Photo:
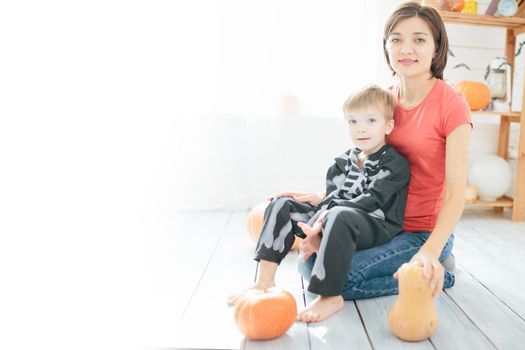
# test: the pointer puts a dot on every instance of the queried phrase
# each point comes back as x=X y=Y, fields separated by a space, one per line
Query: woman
x=432 y=130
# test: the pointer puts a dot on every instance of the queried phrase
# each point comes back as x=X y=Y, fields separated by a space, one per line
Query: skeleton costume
x=365 y=209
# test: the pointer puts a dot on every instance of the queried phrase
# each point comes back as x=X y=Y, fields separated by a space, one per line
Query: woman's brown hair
x=431 y=17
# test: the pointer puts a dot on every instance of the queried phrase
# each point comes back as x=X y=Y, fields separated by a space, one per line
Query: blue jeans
x=371 y=272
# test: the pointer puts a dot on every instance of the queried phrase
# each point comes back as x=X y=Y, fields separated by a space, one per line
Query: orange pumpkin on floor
x=265 y=314
x=413 y=317
x=255 y=224
x=476 y=93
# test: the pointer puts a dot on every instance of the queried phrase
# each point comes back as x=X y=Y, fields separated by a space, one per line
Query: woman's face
x=411 y=48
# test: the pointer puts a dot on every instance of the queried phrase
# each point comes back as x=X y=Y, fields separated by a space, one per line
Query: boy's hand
x=312 y=198
x=312 y=242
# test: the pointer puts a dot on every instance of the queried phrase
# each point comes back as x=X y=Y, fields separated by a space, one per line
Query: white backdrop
x=274 y=120
x=114 y=112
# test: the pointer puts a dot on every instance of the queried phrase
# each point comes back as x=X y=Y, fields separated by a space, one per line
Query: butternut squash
x=413 y=317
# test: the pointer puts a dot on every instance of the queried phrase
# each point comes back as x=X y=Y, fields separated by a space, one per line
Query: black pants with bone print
x=345 y=230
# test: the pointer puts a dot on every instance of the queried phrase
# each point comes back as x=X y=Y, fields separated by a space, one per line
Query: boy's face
x=368 y=128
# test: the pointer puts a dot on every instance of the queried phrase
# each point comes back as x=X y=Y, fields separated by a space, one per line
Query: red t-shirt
x=420 y=135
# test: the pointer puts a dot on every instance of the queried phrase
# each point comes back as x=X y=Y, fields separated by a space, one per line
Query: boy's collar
x=374 y=156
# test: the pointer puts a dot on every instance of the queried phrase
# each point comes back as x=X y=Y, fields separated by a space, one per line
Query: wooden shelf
x=503 y=202
x=514 y=26
x=483 y=20
x=513 y=116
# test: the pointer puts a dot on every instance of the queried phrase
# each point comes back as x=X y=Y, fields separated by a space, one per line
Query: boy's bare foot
x=321 y=308
x=259 y=286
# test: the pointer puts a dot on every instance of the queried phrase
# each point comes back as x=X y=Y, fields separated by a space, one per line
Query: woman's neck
x=413 y=91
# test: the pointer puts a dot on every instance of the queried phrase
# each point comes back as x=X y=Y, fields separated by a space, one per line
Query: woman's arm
x=456 y=167
x=309 y=197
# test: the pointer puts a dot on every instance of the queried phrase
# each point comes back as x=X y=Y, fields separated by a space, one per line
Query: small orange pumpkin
x=476 y=93
x=455 y=5
x=265 y=314
x=413 y=317
x=256 y=220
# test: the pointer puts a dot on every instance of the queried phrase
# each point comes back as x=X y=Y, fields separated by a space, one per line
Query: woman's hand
x=312 y=242
x=433 y=271
x=309 y=197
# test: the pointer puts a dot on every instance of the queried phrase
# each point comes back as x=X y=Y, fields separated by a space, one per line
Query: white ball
x=492 y=175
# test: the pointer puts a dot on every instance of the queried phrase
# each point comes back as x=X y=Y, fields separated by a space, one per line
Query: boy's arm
x=336 y=174
x=312 y=198
x=393 y=177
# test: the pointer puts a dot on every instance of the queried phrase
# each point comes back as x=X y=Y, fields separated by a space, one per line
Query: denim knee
x=450 y=279
x=447 y=249
x=305 y=267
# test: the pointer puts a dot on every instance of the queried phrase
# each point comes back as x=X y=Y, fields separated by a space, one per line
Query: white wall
x=274 y=122
x=245 y=159
x=112 y=111
x=256 y=154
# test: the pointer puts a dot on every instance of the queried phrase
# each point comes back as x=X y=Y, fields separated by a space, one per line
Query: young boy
x=362 y=207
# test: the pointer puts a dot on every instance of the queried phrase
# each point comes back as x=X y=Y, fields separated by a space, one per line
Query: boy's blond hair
x=371 y=96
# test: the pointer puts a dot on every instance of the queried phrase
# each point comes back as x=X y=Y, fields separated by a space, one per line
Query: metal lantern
x=498 y=79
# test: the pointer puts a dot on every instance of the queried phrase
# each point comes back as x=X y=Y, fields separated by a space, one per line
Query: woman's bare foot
x=257 y=286
x=321 y=308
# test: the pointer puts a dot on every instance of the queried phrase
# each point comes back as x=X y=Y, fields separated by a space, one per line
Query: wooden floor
x=197 y=259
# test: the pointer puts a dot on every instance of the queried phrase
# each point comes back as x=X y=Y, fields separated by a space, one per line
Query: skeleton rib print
x=356 y=181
